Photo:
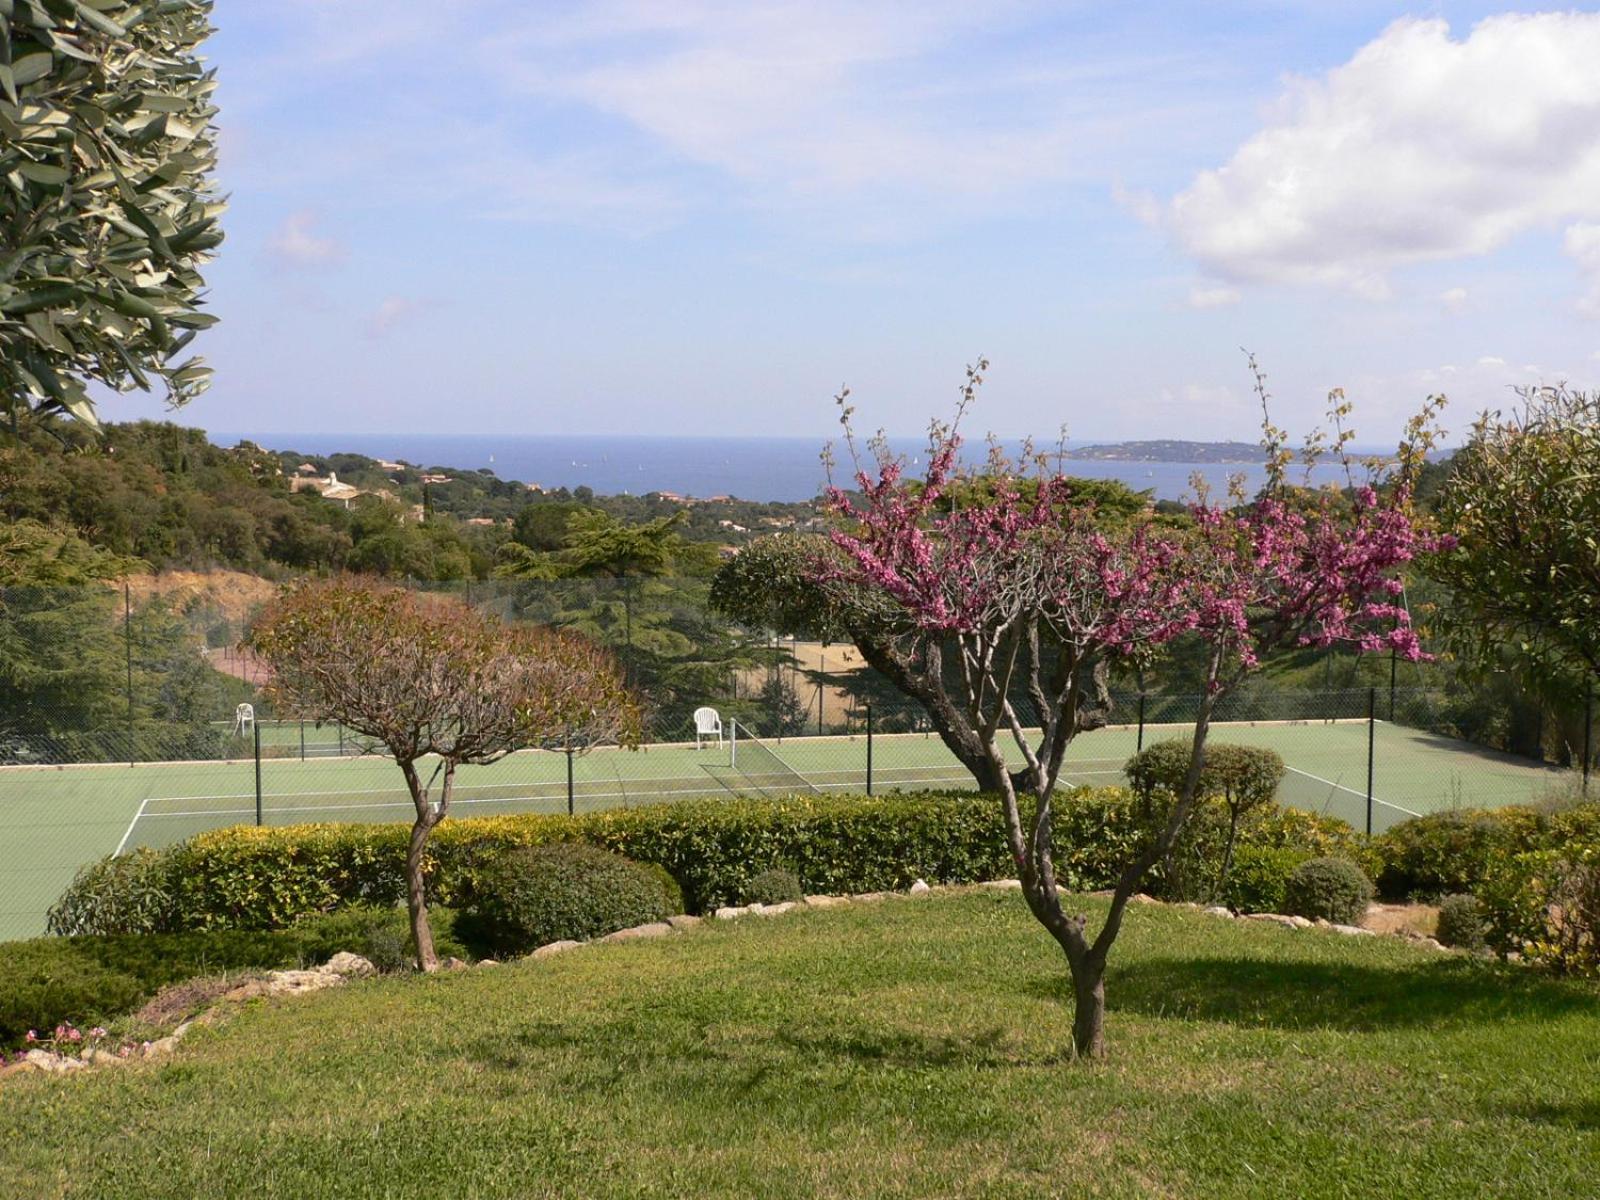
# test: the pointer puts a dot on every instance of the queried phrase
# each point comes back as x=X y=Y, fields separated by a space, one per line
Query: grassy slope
x=911 y=1048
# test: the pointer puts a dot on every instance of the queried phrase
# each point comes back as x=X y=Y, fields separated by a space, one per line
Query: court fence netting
x=67 y=801
x=120 y=728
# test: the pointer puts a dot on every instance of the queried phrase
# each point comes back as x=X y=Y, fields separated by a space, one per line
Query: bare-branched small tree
x=440 y=685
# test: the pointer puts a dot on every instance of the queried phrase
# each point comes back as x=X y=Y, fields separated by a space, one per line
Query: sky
x=525 y=217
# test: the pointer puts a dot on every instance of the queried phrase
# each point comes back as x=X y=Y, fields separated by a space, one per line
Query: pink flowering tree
x=1033 y=595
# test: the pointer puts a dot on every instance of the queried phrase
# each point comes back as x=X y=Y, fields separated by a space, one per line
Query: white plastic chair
x=244 y=720
x=707 y=723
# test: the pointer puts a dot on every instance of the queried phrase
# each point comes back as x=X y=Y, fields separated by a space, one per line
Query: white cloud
x=1212 y=297
x=1582 y=244
x=391 y=312
x=1422 y=147
x=297 y=244
x=1454 y=299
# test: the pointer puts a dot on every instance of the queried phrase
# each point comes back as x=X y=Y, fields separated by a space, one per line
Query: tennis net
x=754 y=766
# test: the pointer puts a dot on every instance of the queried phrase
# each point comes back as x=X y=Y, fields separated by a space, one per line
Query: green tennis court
x=54 y=819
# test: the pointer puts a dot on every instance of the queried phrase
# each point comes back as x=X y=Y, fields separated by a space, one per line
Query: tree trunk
x=416 y=895
x=416 y=899
x=1089 y=1016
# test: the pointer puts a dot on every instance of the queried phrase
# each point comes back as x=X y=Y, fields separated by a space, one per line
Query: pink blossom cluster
x=1286 y=569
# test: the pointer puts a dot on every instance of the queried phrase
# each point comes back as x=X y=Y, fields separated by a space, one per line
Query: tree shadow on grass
x=988 y=1049
x=1304 y=995
x=1581 y=1114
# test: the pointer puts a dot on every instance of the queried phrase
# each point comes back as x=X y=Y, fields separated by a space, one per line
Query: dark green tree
x=107 y=210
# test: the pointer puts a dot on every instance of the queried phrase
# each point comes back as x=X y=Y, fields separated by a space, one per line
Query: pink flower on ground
x=74 y=1035
x=33 y=1035
x=97 y=1032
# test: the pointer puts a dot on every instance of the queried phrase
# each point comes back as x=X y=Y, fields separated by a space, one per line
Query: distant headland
x=1167 y=450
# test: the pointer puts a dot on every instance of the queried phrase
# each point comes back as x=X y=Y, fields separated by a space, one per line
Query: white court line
x=1361 y=796
x=131 y=824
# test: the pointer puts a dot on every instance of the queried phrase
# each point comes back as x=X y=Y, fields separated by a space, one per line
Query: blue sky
x=687 y=216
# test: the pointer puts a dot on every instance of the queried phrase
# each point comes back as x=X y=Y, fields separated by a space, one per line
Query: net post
x=733 y=742
x=1372 y=729
x=255 y=727
x=571 y=808
x=1140 y=745
x=869 y=749
x=1393 y=669
x=302 y=739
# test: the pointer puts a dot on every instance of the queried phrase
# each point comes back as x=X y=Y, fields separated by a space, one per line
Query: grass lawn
x=907 y=1048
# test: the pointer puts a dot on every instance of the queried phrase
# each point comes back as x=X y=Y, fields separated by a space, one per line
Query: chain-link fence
x=121 y=726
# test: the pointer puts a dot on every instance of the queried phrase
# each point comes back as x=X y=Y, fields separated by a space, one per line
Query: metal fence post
x=302 y=740
x=571 y=806
x=869 y=749
x=256 y=728
x=1372 y=729
x=1139 y=747
x=1588 y=734
x=1393 y=667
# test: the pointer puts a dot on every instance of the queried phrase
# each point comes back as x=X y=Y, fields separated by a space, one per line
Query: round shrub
x=671 y=891
x=1461 y=922
x=775 y=885
x=1330 y=889
x=532 y=895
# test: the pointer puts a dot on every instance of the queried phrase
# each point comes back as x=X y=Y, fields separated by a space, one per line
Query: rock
x=683 y=921
x=96 y=1057
x=1141 y=898
x=1002 y=885
x=453 y=964
x=1299 y=922
x=869 y=897
x=21 y=1067
x=488 y=962
x=351 y=966
x=285 y=983
x=772 y=910
x=1352 y=931
x=549 y=948
x=1274 y=918
x=919 y=887
x=653 y=929
x=826 y=901
x=1216 y=910
x=728 y=912
x=160 y=1046
x=1433 y=944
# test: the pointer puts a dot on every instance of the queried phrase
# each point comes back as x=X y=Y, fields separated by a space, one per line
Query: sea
x=749 y=468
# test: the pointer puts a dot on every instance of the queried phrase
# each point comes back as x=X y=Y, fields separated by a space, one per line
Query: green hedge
x=1454 y=852
x=266 y=878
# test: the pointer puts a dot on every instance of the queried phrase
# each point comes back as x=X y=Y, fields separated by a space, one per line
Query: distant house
x=390 y=467
x=437 y=479
x=482 y=521
x=339 y=493
x=732 y=526
x=535 y=487
x=305 y=469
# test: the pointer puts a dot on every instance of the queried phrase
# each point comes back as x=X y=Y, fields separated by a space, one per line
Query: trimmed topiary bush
x=775 y=885
x=1328 y=889
x=1236 y=783
x=532 y=895
x=1461 y=922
